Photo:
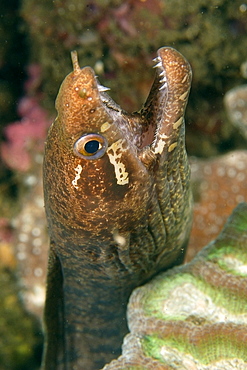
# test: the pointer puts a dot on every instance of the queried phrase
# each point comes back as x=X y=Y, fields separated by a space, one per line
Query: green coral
x=154 y=300
x=209 y=350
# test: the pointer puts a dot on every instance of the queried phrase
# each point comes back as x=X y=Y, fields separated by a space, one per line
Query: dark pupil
x=91 y=146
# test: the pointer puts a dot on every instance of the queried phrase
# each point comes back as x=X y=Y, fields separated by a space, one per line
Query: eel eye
x=90 y=146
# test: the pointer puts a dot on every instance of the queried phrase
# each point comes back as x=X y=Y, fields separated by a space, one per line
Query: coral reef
x=193 y=316
x=117 y=37
x=22 y=151
x=236 y=106
x=23 y=233
x=31 y=242
x=219 y=184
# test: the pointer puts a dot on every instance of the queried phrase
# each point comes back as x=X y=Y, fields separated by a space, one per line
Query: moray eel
x=118 y=204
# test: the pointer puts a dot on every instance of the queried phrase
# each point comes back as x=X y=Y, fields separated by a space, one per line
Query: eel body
x=118 y=206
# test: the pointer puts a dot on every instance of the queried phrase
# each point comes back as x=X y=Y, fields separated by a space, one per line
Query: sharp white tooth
x=157 y=59
x=103 y=88
x=162 y=73
x=159 y=64
x=163 y=80
x=164 y=86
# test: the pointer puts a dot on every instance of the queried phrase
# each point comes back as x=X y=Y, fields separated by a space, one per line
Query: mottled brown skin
x=112 y=229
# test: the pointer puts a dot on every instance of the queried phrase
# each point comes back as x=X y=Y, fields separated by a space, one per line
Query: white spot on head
x=120 y=239
x=78 y=171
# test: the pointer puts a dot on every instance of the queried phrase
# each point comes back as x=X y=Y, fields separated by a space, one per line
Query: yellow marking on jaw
x=105 y=127
x=178 y=123
x=184 y=79
x=78 y=171
x=172 y=147
x=121 y=174
x=184 y=95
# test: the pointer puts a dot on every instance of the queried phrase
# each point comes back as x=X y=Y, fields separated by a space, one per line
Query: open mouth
x=154 y=130
x=143 y=126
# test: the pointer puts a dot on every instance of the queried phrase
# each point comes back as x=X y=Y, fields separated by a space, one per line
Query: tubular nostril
x=75 y=62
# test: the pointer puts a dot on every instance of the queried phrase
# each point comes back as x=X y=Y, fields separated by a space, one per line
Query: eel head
x=106 y=170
